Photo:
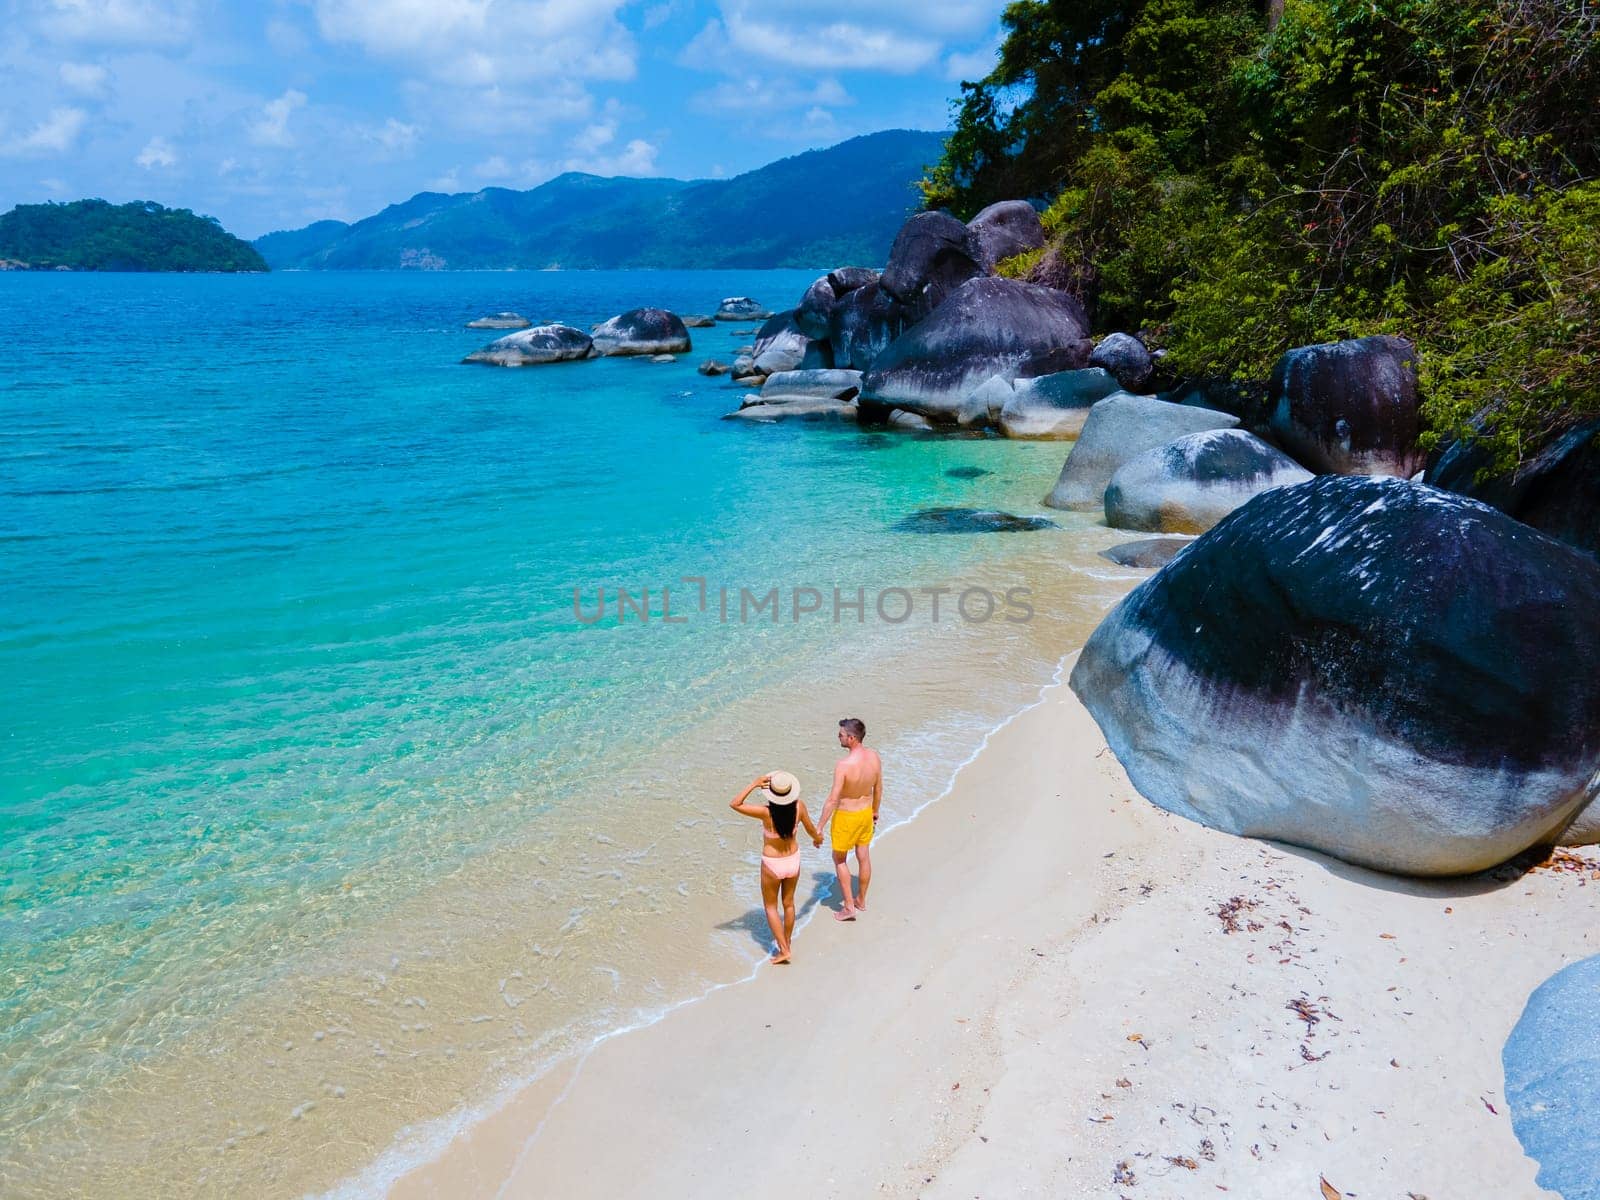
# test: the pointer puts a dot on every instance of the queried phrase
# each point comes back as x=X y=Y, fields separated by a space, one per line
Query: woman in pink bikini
x=780 y=849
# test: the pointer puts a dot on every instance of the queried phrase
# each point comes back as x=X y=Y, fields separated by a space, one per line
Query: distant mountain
x=92 y=235
x=839 y=205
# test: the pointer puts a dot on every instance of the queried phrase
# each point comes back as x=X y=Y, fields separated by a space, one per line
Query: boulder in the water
x=1552 y=1070
x=532 y=347
x=1126 y=358
x=1003 y=230
x=820 y=384
x=1055 y=406
x=815 y=311
x=899 y=418
x=712 y=367
x=649 y=331
x=1146 y=553
x=1373 y=668
x=781 y=345
x=1556 y=490
x=987 y=327
x=863 y=324
x=1118 y=428
x=697 y=321
x=741 y=308
x=762 y=408
x=1188 y=485
x=969 y=520
x=505 y=320
x=1349 y=407
x=967 y=473
x=932 y=256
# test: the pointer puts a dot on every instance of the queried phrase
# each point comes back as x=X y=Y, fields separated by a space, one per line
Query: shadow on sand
x=823 y=893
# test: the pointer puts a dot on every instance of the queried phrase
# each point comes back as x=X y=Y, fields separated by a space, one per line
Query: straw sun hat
x=783 y=788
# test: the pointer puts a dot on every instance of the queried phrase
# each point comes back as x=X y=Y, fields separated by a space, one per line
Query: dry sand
x=1055 y=993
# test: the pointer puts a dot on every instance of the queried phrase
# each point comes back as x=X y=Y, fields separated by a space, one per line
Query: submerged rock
x=1126 y=358
x=1368 y=667
x=1350 y=407
x=987 y=327
x=741 y=308
x=697 y=321
x=1053 y=406
x=1557 y=490
x=642 y=331
x=532 y=347
x=863 y=324
x=1004 y=229
x=1552 y=1069
x=505 y=320
x=969 y=520
x=932 y=256
x=967 y=473
x=1117 y=429
x=1146 y=553
x=1188 y=485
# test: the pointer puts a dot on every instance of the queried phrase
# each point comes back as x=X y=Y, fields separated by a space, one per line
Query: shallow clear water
x=296 y=691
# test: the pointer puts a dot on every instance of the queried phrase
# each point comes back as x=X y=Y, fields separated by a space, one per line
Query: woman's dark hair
x=783 y=816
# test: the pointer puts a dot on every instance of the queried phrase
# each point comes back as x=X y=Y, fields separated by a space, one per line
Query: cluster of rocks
x=649 y=332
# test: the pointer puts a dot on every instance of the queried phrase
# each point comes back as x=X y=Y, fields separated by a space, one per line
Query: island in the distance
x=93 y=235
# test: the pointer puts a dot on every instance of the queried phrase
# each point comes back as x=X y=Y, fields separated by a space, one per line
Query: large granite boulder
x=531 y=347
x=1119 y=428
x=741 y=308
x=815 y=311
x=987 y=327
x=641 y=331
x=1049 y=407
x=983 y=405
x=1146 y=553
x=503 y=320
x=863 y=324
x=1126 y=358
x=1188 y=485
x=1004 y=229
x=697 y=321
x=1372 y=668
x=781 y=345
x=816 y=384
x=932 y=256
x=1349 y=407
x=1557 y=490
x=763 y=410
x=1552 y=1069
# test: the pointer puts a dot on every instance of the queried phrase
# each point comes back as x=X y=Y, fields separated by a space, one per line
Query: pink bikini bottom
x=786 y=867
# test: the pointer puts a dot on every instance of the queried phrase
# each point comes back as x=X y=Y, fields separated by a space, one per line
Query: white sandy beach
x=1046 y=1000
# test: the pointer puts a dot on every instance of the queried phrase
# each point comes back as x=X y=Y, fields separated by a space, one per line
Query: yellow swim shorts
x=852 y=829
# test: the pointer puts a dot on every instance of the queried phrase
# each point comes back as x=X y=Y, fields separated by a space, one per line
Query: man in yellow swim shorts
x=852 y=806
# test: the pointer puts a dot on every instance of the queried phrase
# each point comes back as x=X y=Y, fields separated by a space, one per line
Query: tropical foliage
x=92 y=235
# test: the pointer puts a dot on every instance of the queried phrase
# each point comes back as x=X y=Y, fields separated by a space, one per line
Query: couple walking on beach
x=852 y=811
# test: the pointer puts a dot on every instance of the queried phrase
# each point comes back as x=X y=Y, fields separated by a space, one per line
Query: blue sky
x=278 y=113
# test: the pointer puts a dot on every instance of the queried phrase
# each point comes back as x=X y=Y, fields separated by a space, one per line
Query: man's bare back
x=852 y=810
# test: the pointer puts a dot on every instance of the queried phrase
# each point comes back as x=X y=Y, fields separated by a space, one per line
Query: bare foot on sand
x=861 y=905
x=780 y=958
x=845 y=914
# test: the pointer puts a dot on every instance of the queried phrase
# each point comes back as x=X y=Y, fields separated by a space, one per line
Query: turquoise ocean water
x=288 y=639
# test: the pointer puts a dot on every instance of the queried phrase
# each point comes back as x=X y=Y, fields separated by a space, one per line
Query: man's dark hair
x=855 y=728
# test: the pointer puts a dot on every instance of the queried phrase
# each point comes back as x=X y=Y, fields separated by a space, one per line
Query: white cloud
x=970 y=66
x=493 y=167
x=272 y=127
x=898 y=36
x=87 y=79
x=764 y=94
x=157 y=152
x=450 y=181
x=228 y=166
x=54 y=135
x=117 y=22
x=395 y=136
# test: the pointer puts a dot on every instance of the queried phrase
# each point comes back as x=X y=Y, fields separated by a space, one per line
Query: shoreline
x=1133 y=999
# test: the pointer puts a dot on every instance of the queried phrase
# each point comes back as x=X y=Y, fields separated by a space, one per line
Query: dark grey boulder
x=697 y=321
x=967 y=473
x=1126 y=358
x=987 y=327
x=816 y=384
x=1552 y=1071
x=741 y=308
x=932 y=256
x=1557 y=490
x=505 y=320
x=1004 y=229
x=781 y=345
x=642 y=331
x=712 y=367
x=1146 y=553
x=532 y=347
x=1349 y=407
x=1188 y=485
x=815 y=311
x=863 y=324
x=1051 y=407
x=899 y=418
x=764 y=410
x=969 y=520
x=1369 y=667
x=1118 y=428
